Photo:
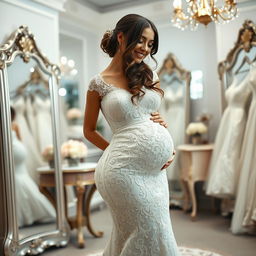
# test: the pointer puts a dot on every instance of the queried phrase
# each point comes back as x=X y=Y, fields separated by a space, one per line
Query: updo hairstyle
x=137 y=74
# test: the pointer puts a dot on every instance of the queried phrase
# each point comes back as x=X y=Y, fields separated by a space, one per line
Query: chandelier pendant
x=202 y=12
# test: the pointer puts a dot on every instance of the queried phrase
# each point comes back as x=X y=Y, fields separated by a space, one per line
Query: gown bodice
x=118 y=108
x=237 y=94
x=19 y=151
x=174 y=98
x=42 y=106
x=19 y=106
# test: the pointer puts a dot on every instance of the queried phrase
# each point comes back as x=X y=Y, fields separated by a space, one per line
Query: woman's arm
x=90 y=120
x=15 y=127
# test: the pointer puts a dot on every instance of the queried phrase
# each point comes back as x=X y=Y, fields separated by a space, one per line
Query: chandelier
x=202 y=11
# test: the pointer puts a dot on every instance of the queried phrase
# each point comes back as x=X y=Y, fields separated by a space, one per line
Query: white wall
x=42 y=22
x=202 y=49
x=226 y=35
x=195 y=51
x=90 y=44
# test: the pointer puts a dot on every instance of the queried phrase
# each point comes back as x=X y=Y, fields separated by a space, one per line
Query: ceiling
x=104 y=6
x=111 y=5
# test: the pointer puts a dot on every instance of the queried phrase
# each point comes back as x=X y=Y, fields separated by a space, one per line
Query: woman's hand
x=169 y=161
x=158 y=119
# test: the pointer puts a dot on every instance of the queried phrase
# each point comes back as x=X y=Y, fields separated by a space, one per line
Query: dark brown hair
x=137 y=74
x=13 y=114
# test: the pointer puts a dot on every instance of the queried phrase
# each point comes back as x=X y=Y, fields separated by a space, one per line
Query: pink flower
x=48 y=153
x=74 y=149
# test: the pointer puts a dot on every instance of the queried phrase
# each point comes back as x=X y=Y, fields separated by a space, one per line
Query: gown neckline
x=112 y=85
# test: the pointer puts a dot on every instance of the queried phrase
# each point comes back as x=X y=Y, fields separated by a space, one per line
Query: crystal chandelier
x=202 y=11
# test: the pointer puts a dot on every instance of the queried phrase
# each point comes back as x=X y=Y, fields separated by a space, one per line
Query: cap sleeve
x=97 y=85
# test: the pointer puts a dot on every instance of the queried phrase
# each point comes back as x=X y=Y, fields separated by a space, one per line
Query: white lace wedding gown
x=42 y=110
x=244 y=215
x=32 y=205
x=224 y=172
x=34 y=160
x=128 y=174
x=30 y=114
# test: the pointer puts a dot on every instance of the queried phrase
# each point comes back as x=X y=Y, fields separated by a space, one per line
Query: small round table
x=82 y=178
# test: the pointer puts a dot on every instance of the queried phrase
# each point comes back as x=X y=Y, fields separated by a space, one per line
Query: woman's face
x=144 y=46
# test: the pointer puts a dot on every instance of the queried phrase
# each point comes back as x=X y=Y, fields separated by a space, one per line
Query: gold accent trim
x=22 y=42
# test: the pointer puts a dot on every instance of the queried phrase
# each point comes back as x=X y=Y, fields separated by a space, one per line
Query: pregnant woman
x=131 y=175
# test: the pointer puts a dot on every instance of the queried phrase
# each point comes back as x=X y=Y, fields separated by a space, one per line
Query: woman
x=128 y=175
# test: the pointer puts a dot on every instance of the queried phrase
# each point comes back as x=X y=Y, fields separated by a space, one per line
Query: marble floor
x=209 y=232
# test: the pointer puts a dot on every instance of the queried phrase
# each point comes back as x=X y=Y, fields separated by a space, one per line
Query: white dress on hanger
x=32 y=205
x=30 y=114
x=34 y=159
x=128 y=174
x=42 y=110
x=223 y=171
x=245 y=207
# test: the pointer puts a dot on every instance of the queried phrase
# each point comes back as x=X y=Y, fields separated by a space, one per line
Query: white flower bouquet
x=196 y=129
x=74 y=114
x=48 y=153
x=74 y=149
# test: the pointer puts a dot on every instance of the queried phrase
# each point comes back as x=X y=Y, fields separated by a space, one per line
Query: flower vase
x=73 y=161
x=51 y=163
x=196 y=139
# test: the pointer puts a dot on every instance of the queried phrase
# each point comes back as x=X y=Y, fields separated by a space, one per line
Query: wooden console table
x=195 y=161
x=80 y=177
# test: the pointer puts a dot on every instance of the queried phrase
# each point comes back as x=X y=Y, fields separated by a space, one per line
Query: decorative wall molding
x=54 y=4
x=34 y=9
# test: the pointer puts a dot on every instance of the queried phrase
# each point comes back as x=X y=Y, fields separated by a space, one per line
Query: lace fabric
x=128 y=174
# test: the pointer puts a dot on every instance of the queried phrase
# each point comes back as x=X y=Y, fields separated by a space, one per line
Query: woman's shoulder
x=96 y=84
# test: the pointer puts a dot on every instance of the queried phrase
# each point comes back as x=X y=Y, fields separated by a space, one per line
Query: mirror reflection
x=196 y=86
x=174 y=81
x=241 y=67
x=32 y=145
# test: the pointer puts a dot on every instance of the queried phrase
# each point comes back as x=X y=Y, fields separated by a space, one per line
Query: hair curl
x=137 y=74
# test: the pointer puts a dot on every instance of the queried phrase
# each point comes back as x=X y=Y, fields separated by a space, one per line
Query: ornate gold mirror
x=239 y=60
x=175 y=108
x=30 y=130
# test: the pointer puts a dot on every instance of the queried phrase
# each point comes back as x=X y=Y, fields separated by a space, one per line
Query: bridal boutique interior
x=49 y=51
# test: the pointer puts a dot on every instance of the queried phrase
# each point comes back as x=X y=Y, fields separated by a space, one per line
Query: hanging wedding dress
x=223 y=170
x=30 y=114
x=245 y=207
x=34 y=160
x=32 y=205
x=128 y=174
x=43 y=121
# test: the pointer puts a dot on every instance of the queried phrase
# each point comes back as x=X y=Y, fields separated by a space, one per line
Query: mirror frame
x=22 y=43
x=186 y=76
x=245 y=41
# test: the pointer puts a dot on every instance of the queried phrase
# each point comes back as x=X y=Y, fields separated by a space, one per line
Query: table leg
x=48 y=194
x=80 y=189
x=87 y=213
x=186 y=195
x=66 y=202
x=191 y=185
